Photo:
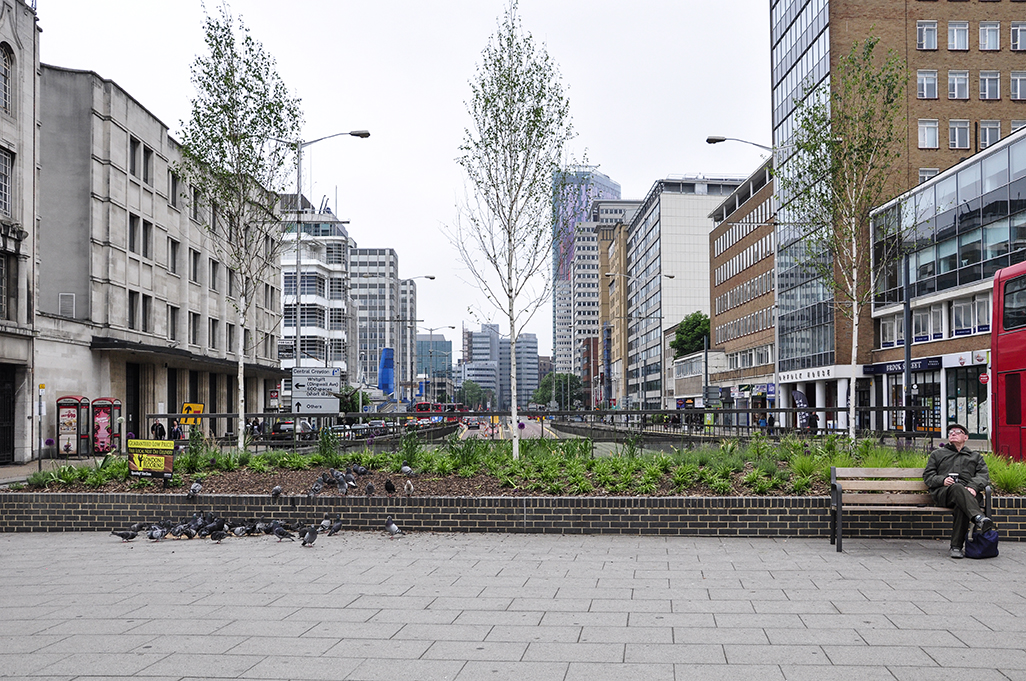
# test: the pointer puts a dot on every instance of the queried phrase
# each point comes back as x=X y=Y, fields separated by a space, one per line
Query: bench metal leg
x=840 y=525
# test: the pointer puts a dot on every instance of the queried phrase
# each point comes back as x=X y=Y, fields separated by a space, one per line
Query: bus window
x=1014 y=304
x=1013 y=399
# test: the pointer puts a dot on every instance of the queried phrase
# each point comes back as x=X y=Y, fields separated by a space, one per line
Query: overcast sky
x=648 y=81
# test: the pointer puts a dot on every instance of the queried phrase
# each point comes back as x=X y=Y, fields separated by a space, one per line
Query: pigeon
x=408 y=487
x=137 y=527
x=218 y=535
x=316 y=488
x=360 y=470
x=156 y=533
x=237 y=531
x=350 y=479
x=281 y=533
x=125 y=536
x=177 y=531
x=336 y=526
x=370 y=489
x=276 y=491
x=392 y=528
x=188 y=532
x=325 y=524
x=389 y=487
x=194 y=490
x=406 y=470
x=310 y=536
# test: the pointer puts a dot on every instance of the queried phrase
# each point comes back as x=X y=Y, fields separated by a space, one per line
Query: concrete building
x=969 y=85
x=527 y=370
x=375 y=288
x=20 y=370
x=971 y=221
x=481 y=361
x=743 y=284
x=326 y=316
x=584 y=186
x=666 y=277
x=613 y=218
x=132 y=300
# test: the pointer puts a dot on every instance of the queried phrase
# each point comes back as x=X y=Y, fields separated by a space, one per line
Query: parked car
x=342 y=431
x=282 y=430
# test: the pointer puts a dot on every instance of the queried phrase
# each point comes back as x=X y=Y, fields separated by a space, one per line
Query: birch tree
x=235 y=161
x=841 y=163
x=512 y=154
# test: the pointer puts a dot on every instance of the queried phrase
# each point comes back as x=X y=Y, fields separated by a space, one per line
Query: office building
x=375 y=288
x=434 y=367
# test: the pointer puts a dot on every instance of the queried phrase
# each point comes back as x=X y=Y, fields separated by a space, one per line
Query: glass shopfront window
x=967 y=399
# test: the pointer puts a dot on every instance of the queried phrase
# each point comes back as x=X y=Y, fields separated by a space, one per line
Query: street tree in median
x=563 y=389
x=841 y=163
x=235 y=166
x=512 y=155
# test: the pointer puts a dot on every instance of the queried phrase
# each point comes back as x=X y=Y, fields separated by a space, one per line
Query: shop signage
x=921 y=364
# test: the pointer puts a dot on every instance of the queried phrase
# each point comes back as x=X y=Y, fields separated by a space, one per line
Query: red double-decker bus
x=1008 y=361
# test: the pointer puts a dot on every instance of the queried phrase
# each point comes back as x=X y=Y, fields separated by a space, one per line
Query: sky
x=647 y=80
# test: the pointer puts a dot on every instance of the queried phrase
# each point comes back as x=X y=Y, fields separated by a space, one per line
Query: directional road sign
x=313 y=390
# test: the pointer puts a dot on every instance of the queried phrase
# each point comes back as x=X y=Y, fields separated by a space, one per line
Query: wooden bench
x=881 y=489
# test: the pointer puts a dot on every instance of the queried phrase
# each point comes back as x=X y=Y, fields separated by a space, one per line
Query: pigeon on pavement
x=218 y=535
x=392 y=528
x=390 y=487
x=137 y=527
x=336 y=526
x=276 y=491
x=194 y=490
x=408 y=487
x=238 y=531
x=125 y=536
x=325 y=524
x=309 y=536
x=156 y=533
x=281 y=533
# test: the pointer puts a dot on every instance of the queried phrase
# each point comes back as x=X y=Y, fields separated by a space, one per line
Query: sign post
x=314 y=390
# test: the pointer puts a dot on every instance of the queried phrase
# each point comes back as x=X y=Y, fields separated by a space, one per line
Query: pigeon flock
x=207 y=524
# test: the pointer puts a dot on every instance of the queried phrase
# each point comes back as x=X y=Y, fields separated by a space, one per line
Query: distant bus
x=423 y=407
x=1008 y=361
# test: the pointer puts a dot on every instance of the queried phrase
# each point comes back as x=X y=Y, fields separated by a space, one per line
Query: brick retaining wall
x=675 y=516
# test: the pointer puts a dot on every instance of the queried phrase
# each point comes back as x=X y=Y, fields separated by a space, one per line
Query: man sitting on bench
x=957 y=476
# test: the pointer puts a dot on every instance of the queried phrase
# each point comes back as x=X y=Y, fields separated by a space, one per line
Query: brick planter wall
x=674 y=516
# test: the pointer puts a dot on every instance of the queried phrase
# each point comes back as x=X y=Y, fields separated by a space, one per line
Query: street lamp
x=716 y=139
x=300 y=145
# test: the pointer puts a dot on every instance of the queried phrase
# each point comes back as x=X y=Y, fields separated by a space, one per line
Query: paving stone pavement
x=362 y=607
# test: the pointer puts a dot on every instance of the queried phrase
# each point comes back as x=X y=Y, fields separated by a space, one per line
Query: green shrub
x=805 y=466
x=684 y=476
x=327 y=442
x=801 y=484
x=1008 y=477
x=720 y=485
x=878 y=457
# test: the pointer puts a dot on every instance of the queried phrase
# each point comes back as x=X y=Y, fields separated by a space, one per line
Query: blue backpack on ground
x=981 y=544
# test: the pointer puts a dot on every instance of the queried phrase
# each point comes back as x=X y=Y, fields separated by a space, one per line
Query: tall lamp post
x=631 y=278
x=300 y=145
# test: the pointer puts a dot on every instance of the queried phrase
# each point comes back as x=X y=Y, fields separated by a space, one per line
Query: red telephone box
x=73 y=425
x=106 y=425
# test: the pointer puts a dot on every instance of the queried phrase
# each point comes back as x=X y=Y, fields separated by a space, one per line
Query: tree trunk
x=856 y=313
x=241 y=380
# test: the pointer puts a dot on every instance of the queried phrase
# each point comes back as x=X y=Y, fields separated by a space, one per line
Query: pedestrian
x=157 y=431
x=176 y=430
x=813 y=423
x=771 y=421
x=957 y=476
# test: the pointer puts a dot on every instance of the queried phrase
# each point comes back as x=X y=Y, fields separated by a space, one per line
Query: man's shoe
x=957 y=552
x=984 y=524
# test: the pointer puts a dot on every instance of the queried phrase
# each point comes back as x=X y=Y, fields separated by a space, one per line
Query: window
x=927 y=84
x=927 y=173
x=147 y=239
x=134 y=150
x=6 y=81
x=1019 y=35
x=172 y=188
x=133 y=309
x=133 y=233
x=194 y=265
x=1017 y=85
x=147 y=310
x=196 y=203
x=958 y=85
x=212 y=333
x=958 y=134
x=928 y=133
x=172 y=256
x=231 y=284
x=990 y=85
x=194 y=328
x=335 y=288
x=230 y=345
x=926 y=35
x=147 y=165
x=3 y=293
x=172 y=322
x=962 y=317
x=1014 y=313
x=1018 y=125
x=990 y=133
x=958 y=35
x=990 y=35
x=215 y=271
